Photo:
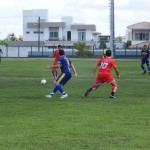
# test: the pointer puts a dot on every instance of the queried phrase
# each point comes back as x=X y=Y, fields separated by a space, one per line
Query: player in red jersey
x=104 y=76
x=56 y=58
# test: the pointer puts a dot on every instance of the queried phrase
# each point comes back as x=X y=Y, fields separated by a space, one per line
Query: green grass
x=29 y=121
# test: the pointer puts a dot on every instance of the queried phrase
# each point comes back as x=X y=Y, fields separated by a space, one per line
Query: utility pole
x=112 y=28
x=39 y=34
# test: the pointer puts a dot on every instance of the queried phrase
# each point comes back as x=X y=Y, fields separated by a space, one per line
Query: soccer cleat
x=111 y=96
x=144 y=72
x=63 y=96
x=49 y=96
x=87 y=92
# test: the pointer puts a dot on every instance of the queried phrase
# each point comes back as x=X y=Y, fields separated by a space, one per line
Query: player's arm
x=115 y=68
x=74 y=70
x=94 y=70
x=53 y=67
x=117 y=72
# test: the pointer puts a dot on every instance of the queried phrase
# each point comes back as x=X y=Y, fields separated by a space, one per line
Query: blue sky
x=96 y=12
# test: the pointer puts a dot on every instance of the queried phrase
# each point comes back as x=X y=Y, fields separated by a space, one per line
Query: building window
x=27 y=32
x=68 y=35
x=137 y=36
x=145 y=36
x=81 y=36
x=53 y=35
x=142 y=36
x=36 y=32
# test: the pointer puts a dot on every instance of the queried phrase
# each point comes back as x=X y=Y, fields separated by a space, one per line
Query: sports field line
x=79 y=78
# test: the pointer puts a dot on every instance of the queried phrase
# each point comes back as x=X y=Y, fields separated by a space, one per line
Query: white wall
x=129 y=35
x=32 y=16
x=60 y=34
x=74 y=35
x=46 y=34
x=68 y=21
x=89 y=36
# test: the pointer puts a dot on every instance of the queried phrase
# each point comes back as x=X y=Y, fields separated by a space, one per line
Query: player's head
x=59 y=47
x=61 y=52
x=145 y=47
x=108 y=53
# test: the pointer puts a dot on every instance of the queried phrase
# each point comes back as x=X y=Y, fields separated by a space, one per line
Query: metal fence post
x=136 y=50
x=18 y=51
x=31 y=50
x=93 y=50
x=42 y=50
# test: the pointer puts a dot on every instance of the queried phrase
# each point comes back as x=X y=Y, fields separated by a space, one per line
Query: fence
x=26 y=52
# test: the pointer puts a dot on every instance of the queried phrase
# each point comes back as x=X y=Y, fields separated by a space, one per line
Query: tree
x=127 y=44
x=82 y=49
x=12 y=37
x=103 y=42
x=4 y=42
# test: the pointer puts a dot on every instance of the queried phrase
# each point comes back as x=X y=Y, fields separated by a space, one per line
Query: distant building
x=37 y=21
x=139 y=34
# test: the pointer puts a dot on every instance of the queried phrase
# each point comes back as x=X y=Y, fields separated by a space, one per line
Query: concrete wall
x=32 y=16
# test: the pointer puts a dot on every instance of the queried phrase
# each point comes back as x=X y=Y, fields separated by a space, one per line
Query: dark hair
x=61 y=52
x=59 y=46
x=108 y=53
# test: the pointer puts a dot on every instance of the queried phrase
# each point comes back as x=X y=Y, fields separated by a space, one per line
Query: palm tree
x=81 y=47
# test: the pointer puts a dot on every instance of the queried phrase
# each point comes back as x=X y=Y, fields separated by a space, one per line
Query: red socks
x=114 y=88
x=55 y=73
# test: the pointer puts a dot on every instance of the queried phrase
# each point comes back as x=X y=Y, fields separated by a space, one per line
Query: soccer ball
x=43 y=81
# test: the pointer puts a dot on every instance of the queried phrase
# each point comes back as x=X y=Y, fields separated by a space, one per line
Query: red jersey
x=56 y=56
x=106 y=64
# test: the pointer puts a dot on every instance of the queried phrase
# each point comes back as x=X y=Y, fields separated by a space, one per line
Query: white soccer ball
x=43 y=81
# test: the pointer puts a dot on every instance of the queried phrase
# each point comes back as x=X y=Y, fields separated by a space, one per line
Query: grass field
x=29 y=121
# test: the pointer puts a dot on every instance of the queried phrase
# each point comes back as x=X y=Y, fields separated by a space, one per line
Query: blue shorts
x=145 y=61
x=63 y=78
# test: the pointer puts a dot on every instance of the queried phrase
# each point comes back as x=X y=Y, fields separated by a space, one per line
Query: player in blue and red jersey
x=145 y=56
x=65 y=65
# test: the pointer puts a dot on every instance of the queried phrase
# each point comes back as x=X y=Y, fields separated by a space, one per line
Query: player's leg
x=95 y=86
x=55 y=73
x=57 y=87
x=114 y=89
x=142 y=66
x=147 y=63
x=62 y=81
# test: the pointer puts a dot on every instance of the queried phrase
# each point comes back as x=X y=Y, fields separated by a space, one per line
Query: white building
x=37 y=21
x=139 y=34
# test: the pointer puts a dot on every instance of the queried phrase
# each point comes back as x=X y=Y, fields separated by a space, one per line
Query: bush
x=78 y=53
x=81 y=47
x=88 y=53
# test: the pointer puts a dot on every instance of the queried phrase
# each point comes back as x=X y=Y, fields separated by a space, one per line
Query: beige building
x=139 y=34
